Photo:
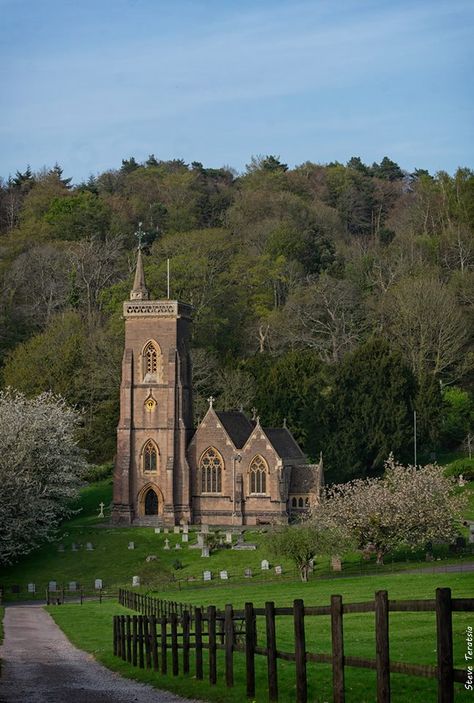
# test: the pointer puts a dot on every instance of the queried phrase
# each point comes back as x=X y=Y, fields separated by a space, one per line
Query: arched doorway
x=151 y=502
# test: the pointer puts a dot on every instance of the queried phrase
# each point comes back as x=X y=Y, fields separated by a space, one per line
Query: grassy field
x=115 y=564
x=412 y=637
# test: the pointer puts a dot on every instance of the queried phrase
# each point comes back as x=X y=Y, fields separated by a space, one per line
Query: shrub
x=464 y=467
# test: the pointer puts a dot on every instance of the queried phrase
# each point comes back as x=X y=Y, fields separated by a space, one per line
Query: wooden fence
x=169 y=627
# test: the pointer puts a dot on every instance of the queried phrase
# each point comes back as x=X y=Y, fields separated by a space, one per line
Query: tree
x=301 y=543
x=40 y=469
x=369 y=411
x=408 y=507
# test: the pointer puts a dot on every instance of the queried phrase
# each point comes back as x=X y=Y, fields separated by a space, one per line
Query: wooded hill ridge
x=339 y=297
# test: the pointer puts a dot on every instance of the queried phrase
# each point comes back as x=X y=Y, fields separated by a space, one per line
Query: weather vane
x=140 y=234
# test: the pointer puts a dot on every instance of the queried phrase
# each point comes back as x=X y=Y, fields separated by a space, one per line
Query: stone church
x=228 y=471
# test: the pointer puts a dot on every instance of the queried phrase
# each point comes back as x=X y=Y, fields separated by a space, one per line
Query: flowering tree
x=40 y=469
x=407 y=507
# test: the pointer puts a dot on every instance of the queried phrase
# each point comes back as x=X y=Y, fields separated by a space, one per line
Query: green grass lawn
x=412 y=637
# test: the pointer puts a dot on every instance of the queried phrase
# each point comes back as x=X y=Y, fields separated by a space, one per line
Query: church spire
x=139 y=290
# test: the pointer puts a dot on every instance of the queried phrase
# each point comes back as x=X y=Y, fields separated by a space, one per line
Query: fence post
x=154 y=648
x=115 y=635
x=174 y=643
x=124 y=638
x=129 y=641
x=164 y=645
x=382 y=647
x=141 y=660
x=250 y=649
x=300 y=652
x=134 y=640
x=271 y=651
x=211 y=627
x=444 y=639
x=198 y=641
x=186 y=620
x=146 y=634
x=337 y=636
x=229 y=645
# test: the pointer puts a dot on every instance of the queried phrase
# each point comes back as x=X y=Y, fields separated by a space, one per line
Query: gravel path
x=40 y=665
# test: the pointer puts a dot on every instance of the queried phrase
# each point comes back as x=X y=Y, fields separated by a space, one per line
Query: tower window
x=151 y=362
x=258 y=475
x=150 y=457
x=211 y=466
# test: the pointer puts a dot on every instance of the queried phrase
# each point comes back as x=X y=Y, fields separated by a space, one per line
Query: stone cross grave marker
x=101 y=509
x=264 y=565
x=167 y=544
x=98 y=584
x=207 y=576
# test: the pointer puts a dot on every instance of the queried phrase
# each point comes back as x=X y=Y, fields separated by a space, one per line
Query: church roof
x=237 y=426
x=283 y=443
x=306 y=478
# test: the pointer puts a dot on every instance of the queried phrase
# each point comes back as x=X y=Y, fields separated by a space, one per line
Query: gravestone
x=264 y=565
x=151 y=557
x=52 y=586
x=224 y=575
x=167 y=544
x=207 y=576
x=336 y=564
x=205 y=529
x=131 y=545
x=61 y=548
x=98 y=584
x=177 y=545
x=89 y=547
x=31 y=588
x=228 y=537
x=184 y=537
x=157 y=530
x=205 y=552
x=101 y=509
x=176 y=529
x=135 y=580
x=278 y=570
x=185 y=529
x=200 y=539
x=72 y=586
x=74 y=547
x=248 y=573
x=165 y=530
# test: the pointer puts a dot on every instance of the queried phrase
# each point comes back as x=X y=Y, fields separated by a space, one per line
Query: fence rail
x=164 y=627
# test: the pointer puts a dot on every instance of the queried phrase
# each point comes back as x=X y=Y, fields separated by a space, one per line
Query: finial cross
x=254 y=413
x=211 y=400
x=140 y=234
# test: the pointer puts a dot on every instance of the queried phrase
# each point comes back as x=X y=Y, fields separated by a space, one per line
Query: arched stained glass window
x=150 y=456
x=293 y=503
x=300 y=502
x=151 y=502
x=151 y=360
x=211 y=466
x=258 y=475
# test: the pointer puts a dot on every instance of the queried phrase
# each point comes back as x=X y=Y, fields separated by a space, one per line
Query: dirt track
x=40 y=665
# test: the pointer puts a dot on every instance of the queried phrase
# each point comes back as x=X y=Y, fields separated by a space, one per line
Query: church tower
x=151 y=479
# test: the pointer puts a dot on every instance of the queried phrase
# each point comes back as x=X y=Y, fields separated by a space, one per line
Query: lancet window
x=211 y=466
x=258 y=475
x=150 y=456
x=151 y=362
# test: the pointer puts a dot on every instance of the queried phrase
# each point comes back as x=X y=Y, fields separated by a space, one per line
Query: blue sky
x=87 y=83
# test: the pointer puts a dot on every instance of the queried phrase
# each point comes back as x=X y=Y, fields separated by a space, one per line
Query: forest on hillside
x=337 y=297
